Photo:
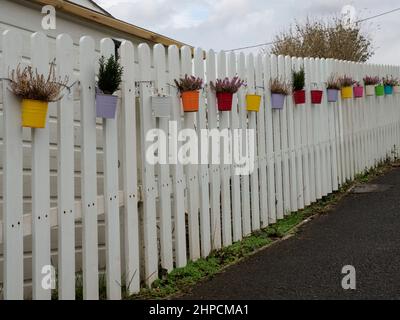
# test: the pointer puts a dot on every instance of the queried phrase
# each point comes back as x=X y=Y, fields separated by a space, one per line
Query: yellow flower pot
x=34 y=113
x=347 y=92
x=253 y=102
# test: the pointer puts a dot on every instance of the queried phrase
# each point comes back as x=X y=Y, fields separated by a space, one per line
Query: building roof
x=108 y=21
x=99 y=7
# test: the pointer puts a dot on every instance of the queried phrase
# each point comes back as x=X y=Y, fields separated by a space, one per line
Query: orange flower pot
x=190 y=101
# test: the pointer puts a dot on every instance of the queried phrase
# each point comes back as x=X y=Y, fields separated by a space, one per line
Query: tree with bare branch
x=332 y=38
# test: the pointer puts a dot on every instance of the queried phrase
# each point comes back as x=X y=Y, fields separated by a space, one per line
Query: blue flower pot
x=388 y=90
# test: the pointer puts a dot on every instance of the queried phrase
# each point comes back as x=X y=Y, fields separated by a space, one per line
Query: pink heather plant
x=390 y=81
x=227 y=85
x=371 y=81
x=346 y=81
x=189 y=83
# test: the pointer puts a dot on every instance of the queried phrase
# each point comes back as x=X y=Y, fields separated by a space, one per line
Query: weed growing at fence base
x=182 y=279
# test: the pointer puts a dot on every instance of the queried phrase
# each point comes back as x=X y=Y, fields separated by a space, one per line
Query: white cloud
x=227 y=24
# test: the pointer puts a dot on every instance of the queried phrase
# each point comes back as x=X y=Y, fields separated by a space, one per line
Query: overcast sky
x=227 y=24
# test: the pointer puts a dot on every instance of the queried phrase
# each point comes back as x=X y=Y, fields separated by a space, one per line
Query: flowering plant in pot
x=370 y=84
x=109 y=80
x=388 y=83
x=36 y=91
x=358 y=90
x=279 y=90
x=189 y=87
x=333 y=88
x=225 y=89
x=346 y=84
x=299 y=94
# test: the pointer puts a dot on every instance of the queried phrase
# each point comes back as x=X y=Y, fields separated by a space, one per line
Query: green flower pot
x=380 y=90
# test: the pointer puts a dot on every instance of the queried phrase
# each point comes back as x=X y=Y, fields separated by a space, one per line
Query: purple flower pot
x=333 y=95
x=106 y=105
x=277 y=100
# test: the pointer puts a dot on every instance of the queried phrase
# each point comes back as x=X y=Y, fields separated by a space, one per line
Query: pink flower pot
x=358 y=92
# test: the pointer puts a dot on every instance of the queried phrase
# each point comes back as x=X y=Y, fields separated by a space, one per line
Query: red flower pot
x=299 y=96
x=224 y=101
x=316 y=96
x=358 y=92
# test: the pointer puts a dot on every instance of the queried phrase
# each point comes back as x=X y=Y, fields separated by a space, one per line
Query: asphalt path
x=362 y=231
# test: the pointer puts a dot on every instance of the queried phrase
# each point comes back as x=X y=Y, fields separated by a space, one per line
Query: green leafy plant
x=110 y=75
x=189 y=83
x=298 y=79
x=333 y=82
x=280 y=87
x=29 y=84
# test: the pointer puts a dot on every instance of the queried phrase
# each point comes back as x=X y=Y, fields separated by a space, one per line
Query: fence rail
x=85 y=183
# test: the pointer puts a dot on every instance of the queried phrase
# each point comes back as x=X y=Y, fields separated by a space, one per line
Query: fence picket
x=269 y=142
x=164 y=183
x=252 y=119
x=177 y=169
x=245 y=186
x=148 y=179
x=192 y=184
x=89 y=175
x=129 y=169
x=205 y=235
x=66 y=190
x=215 y=172
x=235 y=178
x=40 y=181
x=293 y=126
x=277 y=148
x=284 y=147
x=111 y=195
x=309 y=139
x=225 y=168
x=13 y=277
x=297 y=64
x=262 y=156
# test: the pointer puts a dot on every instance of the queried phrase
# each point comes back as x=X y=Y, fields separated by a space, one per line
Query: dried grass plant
x=279 y=87
x=333 y=82
x=29 y=84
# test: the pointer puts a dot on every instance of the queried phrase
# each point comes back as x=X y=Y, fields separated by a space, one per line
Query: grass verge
x=182 y=279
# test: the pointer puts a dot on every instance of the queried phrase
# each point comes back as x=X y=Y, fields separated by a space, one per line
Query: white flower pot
x=396 y=89
x=161 y=106
x=370 y=90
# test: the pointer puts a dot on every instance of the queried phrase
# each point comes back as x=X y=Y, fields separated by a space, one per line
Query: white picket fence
x=79 y=194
